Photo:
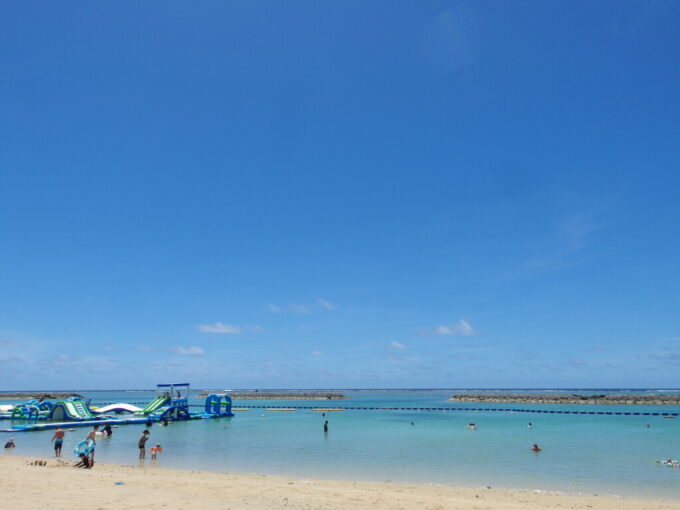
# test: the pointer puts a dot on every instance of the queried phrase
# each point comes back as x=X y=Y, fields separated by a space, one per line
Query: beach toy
x=118 y=483
x=84 y=447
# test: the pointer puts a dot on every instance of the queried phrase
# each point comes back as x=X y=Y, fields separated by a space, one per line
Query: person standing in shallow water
x=325 y=427
x=58 y=439
x=142 y=444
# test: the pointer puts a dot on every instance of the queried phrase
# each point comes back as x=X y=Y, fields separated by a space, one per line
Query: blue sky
x=339 y=194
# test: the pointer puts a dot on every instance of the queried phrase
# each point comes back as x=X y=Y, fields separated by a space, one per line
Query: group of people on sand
x=87 y=459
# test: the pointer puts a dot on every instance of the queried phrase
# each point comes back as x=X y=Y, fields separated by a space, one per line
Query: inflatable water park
x=170 y=404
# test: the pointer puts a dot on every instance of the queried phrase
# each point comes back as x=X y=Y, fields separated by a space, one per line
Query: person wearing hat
x=142 y=444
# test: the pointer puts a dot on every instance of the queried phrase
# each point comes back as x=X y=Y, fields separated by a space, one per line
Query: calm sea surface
x=581 y=453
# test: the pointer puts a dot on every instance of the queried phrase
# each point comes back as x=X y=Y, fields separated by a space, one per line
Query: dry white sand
x=59 y=486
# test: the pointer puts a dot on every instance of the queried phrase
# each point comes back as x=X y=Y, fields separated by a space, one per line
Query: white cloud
x=144 y=348
x=397 y=346
x=317 y=353
x=257 y=329
x=192 y=350
x=218 y=327
x=461 y=328
x=301 y=308
x=326 y=304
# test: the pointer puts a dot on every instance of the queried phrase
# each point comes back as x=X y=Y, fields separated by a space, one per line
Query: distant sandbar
x=37 y=395
x=516 y=398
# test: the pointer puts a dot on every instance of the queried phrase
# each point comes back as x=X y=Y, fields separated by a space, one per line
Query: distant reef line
x=37 y=395
x=516 y=398
x=277 y=395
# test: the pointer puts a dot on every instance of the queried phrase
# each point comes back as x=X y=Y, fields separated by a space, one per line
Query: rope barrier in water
x=463 y=409
x=494 y=409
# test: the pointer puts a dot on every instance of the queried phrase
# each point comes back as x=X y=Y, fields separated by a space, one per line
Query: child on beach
x=85 y=462
x=10 y=443
x=155 y=450
x=58 y=439
x=142 y=444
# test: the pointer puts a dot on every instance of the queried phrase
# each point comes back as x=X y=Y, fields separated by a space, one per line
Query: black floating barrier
x=464 y=409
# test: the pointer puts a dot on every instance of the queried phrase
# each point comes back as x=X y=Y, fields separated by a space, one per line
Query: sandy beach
x=58 y=485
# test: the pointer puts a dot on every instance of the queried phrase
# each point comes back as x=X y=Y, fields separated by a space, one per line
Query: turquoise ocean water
x=581 y=453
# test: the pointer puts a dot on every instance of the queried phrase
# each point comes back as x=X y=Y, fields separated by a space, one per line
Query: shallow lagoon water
x=581 y=453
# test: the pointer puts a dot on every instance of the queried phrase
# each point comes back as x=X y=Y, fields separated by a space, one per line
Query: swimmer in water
x=530 y=425
x=536 y=448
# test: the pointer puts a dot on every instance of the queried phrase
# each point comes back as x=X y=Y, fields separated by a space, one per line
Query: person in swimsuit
x=58 y=439
x=93 y=436
x=155 y=450
x=536 y=448
x=142 y=444
x=108 y=431
x=10 y=443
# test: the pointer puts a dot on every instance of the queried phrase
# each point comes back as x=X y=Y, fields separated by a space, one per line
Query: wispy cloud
x=460 y=328
x=320 y=304
x=299 y=308
x=396 y=346
x=144 y=348
x=219 y=328
x=574 y=231
x=227 y=329
x=317 y=353
x=563 y=246
x=192 y=350
x=290 y=307
x=326 y=304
